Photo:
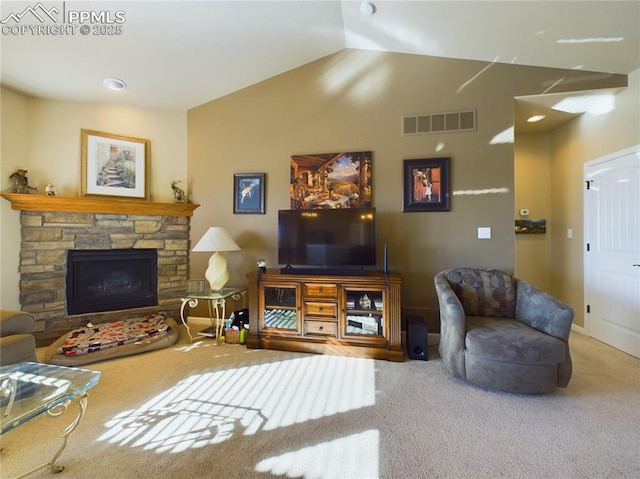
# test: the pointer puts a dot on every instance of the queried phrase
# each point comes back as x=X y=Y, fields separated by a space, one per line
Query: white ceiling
x=181 y=54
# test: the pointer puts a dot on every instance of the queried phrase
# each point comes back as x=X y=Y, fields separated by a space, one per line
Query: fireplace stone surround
x=47 y=233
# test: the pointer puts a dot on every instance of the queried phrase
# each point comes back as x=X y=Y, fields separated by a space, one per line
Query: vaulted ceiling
x=180 y=54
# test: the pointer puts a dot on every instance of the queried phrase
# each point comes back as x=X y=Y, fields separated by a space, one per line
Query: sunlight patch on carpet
x=351 y=456
x=209 y=408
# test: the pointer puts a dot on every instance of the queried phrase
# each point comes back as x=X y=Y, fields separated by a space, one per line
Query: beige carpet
x=205 y=411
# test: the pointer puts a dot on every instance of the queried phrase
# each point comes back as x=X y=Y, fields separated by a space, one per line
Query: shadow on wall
x=253 y=246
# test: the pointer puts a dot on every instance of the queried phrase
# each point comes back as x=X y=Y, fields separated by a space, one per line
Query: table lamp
x=216 y=239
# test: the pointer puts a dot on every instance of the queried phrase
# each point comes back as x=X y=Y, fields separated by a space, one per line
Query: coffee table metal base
x=79 y=401
x=30 y=389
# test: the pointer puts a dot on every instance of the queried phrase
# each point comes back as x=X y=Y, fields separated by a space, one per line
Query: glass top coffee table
x=28 y=390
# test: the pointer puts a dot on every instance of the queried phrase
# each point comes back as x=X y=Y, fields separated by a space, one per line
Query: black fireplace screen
x=111 y=280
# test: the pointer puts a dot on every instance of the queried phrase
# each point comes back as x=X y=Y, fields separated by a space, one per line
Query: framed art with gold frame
x=114 y=165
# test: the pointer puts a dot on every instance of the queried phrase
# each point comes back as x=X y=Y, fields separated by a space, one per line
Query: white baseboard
x=578 y=329
x=196 y=321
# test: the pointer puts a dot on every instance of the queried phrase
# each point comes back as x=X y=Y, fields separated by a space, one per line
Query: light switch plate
x=484 y=232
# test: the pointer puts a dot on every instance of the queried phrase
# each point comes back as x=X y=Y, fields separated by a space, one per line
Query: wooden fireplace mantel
x=89 y=204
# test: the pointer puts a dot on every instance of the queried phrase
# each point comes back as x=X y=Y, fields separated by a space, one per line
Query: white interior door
x=612 y=260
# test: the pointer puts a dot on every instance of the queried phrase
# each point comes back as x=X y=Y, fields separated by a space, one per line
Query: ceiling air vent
x=439 y=122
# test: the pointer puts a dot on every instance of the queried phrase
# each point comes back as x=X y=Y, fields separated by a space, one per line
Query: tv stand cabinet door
x=371 y=315
x=279 y=309
x=363 y=313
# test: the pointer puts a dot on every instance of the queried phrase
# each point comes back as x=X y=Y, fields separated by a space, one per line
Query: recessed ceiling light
x=114 y=83
x=535 y=118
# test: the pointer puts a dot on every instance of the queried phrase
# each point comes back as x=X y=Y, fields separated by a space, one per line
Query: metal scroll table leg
x=193 y=302
x=9 y=387
x=221 y=304
x=81 y=402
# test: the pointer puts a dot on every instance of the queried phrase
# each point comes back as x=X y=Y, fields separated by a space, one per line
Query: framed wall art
x=248 y=193
x=426 y=185
x=195 y=286
x=531 y=227
x=114 y=165
x=331 y=180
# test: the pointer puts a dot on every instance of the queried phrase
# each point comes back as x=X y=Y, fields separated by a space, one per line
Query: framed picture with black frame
x=248 y=193
x=426 y=185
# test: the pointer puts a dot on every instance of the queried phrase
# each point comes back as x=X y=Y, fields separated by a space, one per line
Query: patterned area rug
x=116 y=333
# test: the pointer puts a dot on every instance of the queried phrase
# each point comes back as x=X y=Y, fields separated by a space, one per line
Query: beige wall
x=584 y=139
x=354 y=101
x=13 y=149
x=349 y=101
x=555 y=262
x=532 y=185
x=43 y=136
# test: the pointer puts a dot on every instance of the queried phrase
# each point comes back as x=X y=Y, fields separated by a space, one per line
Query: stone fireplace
x=51 y=227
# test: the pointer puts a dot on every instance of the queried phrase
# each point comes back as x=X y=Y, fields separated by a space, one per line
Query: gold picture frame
x=114 y=165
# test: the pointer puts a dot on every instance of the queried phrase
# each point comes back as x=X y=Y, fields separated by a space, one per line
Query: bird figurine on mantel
x=51 y=190
x=21 y=182
x=178 y=193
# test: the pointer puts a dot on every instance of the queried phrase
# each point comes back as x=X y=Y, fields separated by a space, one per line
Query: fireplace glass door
x=111 y=280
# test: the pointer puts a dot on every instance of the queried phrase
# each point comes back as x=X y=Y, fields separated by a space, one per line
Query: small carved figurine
x=262 y=266
x=50 y=190
x=178 y=193
x=21 y=182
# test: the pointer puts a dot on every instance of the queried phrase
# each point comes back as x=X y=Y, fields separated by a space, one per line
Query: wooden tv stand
x=327 y=314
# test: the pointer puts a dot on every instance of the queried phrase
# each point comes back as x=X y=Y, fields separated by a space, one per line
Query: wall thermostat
x=524 y=212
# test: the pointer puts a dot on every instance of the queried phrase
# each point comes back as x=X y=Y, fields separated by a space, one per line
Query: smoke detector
x=367 y=9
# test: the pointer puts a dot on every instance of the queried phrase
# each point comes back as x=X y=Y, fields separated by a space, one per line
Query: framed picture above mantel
x=114 y=165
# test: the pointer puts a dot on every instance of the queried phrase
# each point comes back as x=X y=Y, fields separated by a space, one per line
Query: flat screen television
x=327 y=239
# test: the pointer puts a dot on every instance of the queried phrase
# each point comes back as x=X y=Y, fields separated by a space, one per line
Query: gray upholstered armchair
x=500 y=332
x=17 y=344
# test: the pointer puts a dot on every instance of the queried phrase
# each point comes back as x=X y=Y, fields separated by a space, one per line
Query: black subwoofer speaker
x=417 y=333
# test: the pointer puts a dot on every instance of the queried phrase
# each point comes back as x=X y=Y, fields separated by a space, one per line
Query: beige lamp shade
x=216 y=239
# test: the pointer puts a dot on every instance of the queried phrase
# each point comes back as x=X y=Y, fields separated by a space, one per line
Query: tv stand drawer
x=323 y=291
x=321 y=328
x=325 y=310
